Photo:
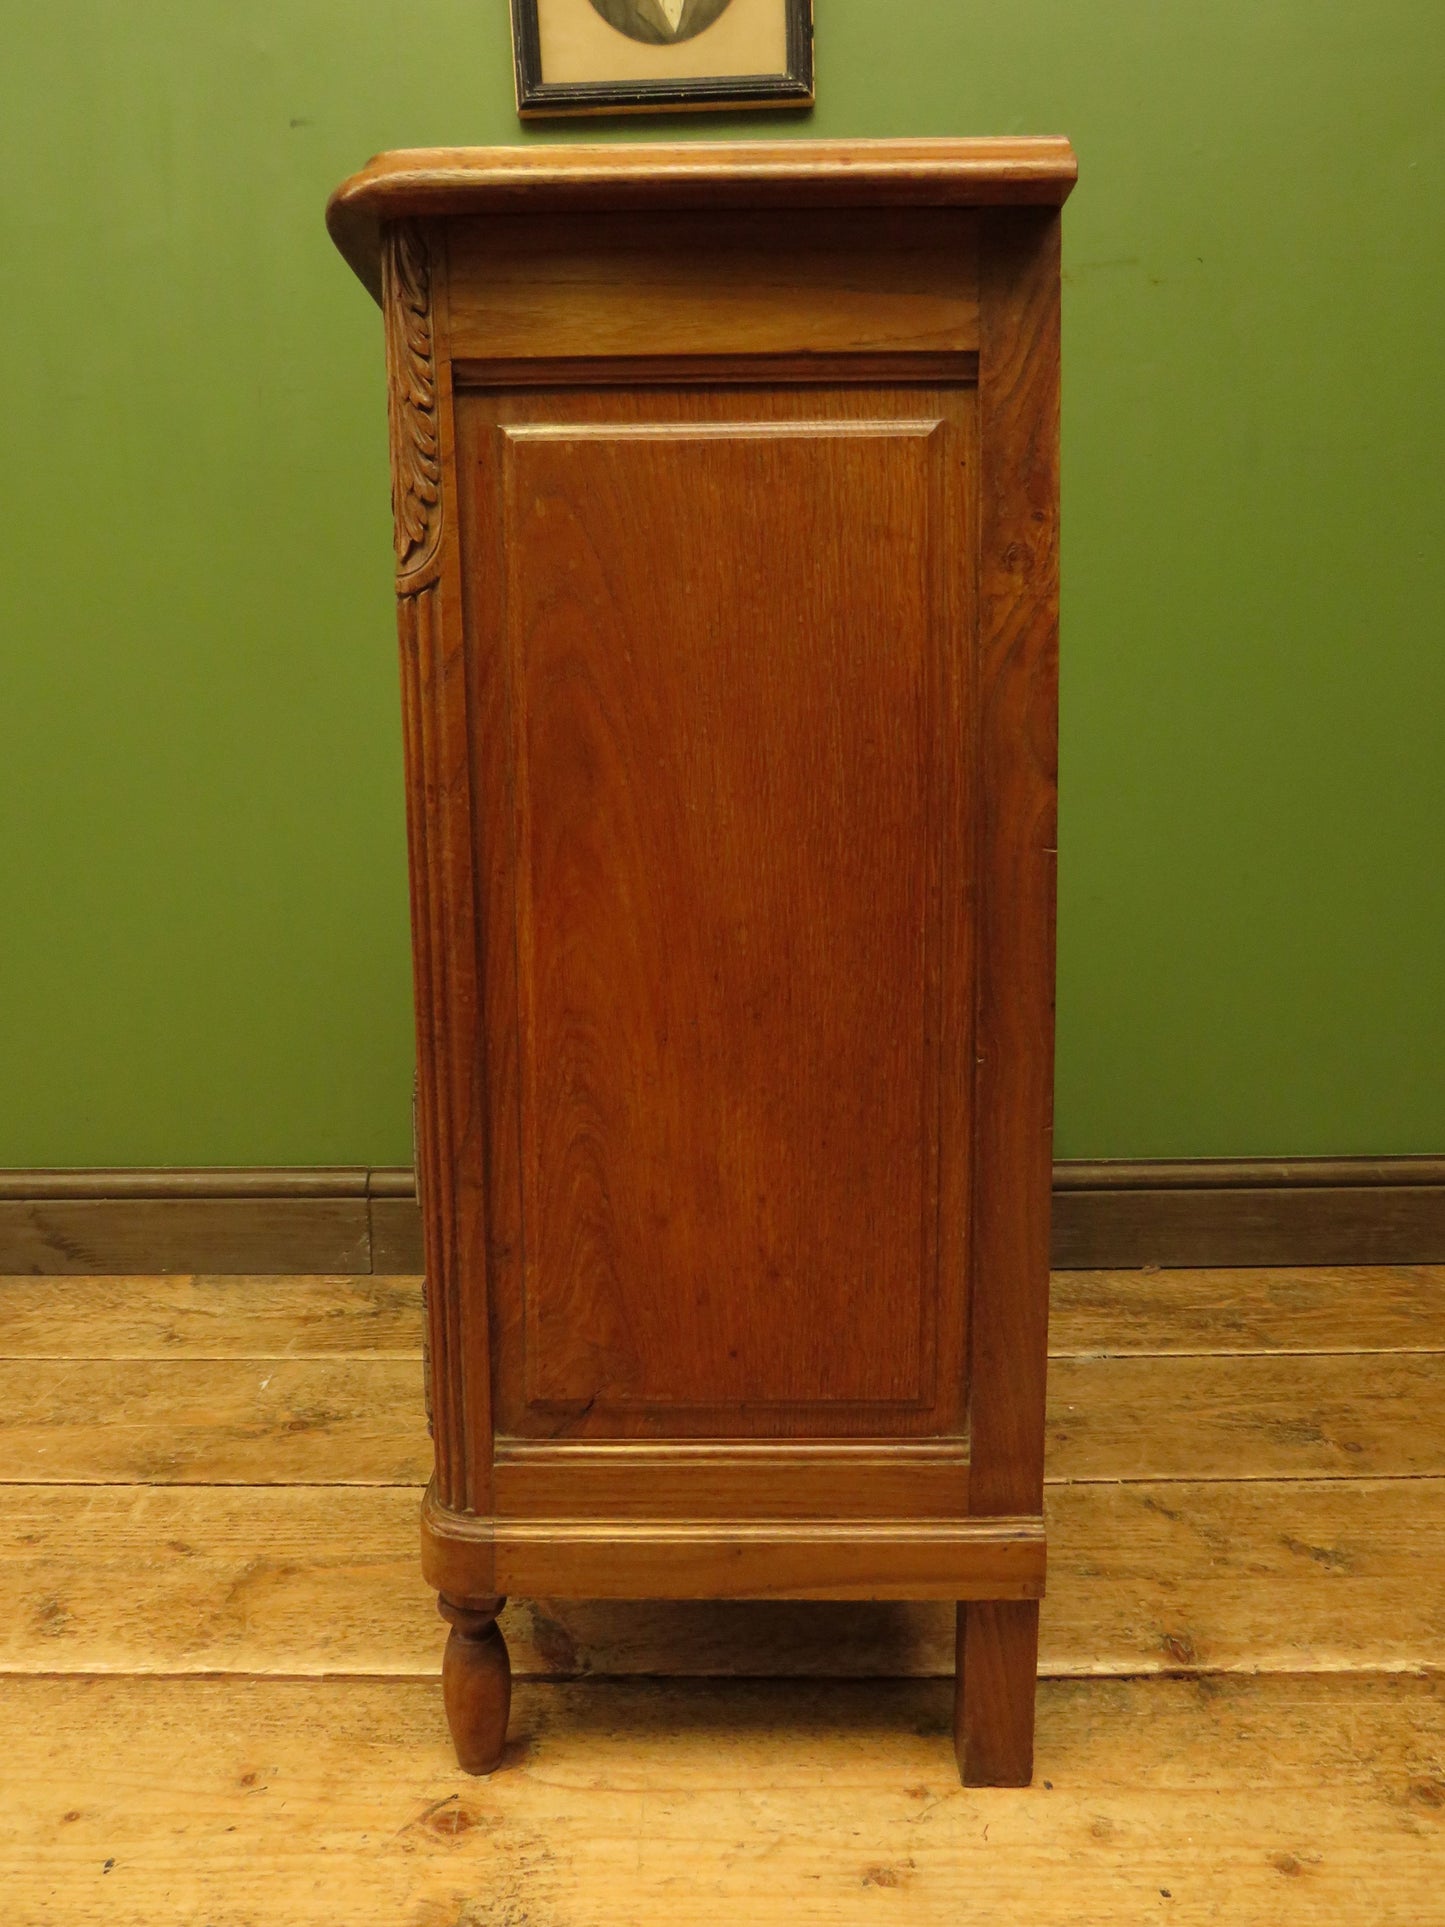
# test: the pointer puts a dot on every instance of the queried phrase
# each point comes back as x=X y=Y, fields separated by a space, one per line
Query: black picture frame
x=539 y=99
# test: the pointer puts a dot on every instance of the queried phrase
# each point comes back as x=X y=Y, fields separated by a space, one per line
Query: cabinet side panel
x=719 y=637
x=1017 y=775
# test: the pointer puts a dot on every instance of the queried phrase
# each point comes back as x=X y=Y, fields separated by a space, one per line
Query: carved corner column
x=476 y=1673
x=414 y=425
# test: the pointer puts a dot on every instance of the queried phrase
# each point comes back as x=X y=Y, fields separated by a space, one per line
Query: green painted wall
x=204 y=954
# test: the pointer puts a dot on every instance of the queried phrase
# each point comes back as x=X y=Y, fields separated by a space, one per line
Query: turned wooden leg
x=476 y=1682
x=993 y=1691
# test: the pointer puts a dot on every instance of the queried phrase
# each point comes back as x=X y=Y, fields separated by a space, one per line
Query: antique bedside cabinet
x=725 y=494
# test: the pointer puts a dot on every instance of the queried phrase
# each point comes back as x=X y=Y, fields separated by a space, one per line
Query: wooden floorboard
x=1261 y=1416
x=209 y=1317
x=139 y=1803
x=349 y=1420
x=215 y=1421
x=218 y=1694
x=1285 y=1576
x=1285 y=1309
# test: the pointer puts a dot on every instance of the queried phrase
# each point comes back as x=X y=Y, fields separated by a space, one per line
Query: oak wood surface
x=856 y=174
x=996 y=1652
x=448 y=1123
x=728 y=906
x=689 y=692
x=1272 y=1575
x=730 y=1558
x=900 y=282
x=750 y=370
x=918 y=1480
x=476 y=1683
x=1015 y=803
x=730 y=722
x=291 y=1802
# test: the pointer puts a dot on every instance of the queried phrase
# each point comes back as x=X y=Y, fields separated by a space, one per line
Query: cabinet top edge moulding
x=412 y=183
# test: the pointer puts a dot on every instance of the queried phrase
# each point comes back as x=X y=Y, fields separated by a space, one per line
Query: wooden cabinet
x=725 y=491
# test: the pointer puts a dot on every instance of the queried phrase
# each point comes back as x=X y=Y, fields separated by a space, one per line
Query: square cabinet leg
x=993 y=1691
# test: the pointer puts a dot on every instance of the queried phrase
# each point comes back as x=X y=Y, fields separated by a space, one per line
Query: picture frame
x=660 y=56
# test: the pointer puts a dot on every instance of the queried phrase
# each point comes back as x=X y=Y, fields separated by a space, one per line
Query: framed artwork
x=647 y=56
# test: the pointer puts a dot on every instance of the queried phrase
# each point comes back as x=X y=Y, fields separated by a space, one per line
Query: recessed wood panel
x=727 y=649
x=868 y=282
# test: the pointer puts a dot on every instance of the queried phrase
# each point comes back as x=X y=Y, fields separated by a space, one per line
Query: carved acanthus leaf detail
x=412 y=399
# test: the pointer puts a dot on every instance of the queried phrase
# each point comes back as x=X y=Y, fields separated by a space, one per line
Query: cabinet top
x=431 y=181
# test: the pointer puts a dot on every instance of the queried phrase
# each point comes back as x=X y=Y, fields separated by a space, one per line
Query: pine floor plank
x=209 y=1317
x=219 y=1700
x=271 y=1421
x=1324 y=1308
x=358 y=1420
x=1266 y=1416
x=140 y=1803
x=1283 y=1576
x=1316 y=1308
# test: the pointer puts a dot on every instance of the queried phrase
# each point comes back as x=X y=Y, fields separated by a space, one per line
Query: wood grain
x=902 y=282
x=476 y=1683
x=731 y=1558
x=1247 y=1417
x=359 y=1420
x=1297 y=1222
x=1356 y=1309
x=1015 y=774
x=737 y=708
x=646 y=370
x=460 y=181
x=448 y=1121
x=315 y=1782
x=1273 y=1575
x=396 y=1240
x=824 y=1481
x=996 y=1654
x=287 y=1219
x=727 y=757
x=215 y=1421
x=1324 y=1213
x=1286 y=1576
x=1346 y=1309
x=173 y=1316
x=137 y=1803
x=127 y=1234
